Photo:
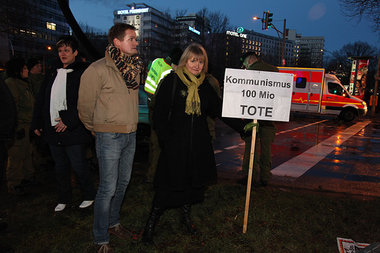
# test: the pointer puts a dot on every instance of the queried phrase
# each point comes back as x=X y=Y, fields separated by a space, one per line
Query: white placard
x=252 y=94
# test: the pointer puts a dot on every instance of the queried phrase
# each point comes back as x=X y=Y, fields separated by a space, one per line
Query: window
x=51 y=26
x=301 y=82
x=335 y=89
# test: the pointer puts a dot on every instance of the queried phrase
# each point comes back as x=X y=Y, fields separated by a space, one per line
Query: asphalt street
x=314 y=153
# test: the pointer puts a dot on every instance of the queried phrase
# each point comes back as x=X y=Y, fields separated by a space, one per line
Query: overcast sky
x=309 y=18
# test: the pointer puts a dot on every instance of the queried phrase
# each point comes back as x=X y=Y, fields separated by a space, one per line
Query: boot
x=186 y=220
x=154 y=216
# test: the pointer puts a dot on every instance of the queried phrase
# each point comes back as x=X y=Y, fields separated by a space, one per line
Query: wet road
x=317 y=153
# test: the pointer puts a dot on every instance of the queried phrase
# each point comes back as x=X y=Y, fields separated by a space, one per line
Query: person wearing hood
x=56 y=120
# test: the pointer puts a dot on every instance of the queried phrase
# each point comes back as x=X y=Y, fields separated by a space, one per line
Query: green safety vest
x=158 y=70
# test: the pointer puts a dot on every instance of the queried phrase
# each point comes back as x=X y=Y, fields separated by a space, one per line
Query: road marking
x=231 y=147
x=298 y=165
x=282 y=132
x=297 y=128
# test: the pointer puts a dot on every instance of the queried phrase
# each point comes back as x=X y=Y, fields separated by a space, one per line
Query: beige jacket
x=105 y=104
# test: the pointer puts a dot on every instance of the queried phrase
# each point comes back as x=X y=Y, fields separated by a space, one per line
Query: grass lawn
x=280 y=220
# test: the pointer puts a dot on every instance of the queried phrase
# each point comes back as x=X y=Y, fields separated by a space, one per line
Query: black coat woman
x=187 y=164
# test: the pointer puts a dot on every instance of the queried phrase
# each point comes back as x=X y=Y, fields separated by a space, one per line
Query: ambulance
x=315 y=91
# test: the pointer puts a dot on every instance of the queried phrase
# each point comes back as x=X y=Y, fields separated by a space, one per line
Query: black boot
x=186 y=220
x=154 y=216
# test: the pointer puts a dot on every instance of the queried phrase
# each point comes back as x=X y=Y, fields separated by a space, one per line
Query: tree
x=216 y=24
x=215 y=21
x=356 y=49
x=93 y=53
x=366 y=8
x=340 y=62
x=180 y=13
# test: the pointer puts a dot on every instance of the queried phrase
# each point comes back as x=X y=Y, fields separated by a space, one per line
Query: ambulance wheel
x=348 y=114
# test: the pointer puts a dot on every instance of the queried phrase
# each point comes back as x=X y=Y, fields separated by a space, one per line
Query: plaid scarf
x=129 y=66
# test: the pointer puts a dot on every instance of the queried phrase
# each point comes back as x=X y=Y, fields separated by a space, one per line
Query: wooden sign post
x=250 y=174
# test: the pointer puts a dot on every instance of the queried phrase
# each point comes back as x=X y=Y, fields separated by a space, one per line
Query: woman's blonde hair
x=198 y=52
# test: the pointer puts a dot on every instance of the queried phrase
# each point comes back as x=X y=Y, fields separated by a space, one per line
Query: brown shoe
x=103 y=248
x=120 y=232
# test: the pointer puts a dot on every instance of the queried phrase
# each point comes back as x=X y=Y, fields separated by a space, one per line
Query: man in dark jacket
x=265 y=133
x=56 y=119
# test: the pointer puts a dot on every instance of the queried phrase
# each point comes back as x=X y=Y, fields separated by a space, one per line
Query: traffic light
x=267 y=20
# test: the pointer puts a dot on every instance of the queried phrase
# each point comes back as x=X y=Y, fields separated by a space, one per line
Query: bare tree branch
x=363 y=8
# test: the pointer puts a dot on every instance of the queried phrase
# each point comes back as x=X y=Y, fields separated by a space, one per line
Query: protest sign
x=349 y=245
x=253 y=94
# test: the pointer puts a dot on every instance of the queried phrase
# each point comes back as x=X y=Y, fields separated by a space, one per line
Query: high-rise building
x=158 y=33
x=153 y=28
x=308 y=50
x=265 y=46
x=188 y=29
x=30 y=28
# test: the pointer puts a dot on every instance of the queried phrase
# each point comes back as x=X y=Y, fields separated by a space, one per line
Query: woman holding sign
x=186 y=164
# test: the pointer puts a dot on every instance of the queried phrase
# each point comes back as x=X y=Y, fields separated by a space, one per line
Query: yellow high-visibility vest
x=158 y=70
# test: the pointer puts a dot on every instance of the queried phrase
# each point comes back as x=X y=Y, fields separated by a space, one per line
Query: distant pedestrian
x=56 y=120
x=186 y=164
x=20 y=171
x=108 y=106
x=40 y=149
x=265 y=133
x=35 y=75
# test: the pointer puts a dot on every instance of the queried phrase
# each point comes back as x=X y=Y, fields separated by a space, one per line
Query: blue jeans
x=73 y=155
x=115 y=153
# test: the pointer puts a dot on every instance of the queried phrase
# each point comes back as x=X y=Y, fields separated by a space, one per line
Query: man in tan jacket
x=108 y=107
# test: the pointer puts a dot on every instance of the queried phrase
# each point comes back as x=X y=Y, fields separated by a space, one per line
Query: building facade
x=158 y=33
x=308 y=50
x=267 y=47
x=153 y=28
x=30 y=28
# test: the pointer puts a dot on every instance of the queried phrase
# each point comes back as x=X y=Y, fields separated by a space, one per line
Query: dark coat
x=187 y=157
x=8 y=112
x=75 y=132
x=261 y=65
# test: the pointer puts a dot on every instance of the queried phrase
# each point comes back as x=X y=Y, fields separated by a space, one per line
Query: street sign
x=252 y=94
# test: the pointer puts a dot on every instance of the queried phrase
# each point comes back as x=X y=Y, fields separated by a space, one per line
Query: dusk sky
x=309 y=18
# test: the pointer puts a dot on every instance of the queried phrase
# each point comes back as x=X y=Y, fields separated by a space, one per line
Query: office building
x=308 y=50
x=158 y=33
x=30 y=28
x=153 y=28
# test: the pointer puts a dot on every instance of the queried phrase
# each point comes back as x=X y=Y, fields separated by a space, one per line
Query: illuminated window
x=51 y=26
